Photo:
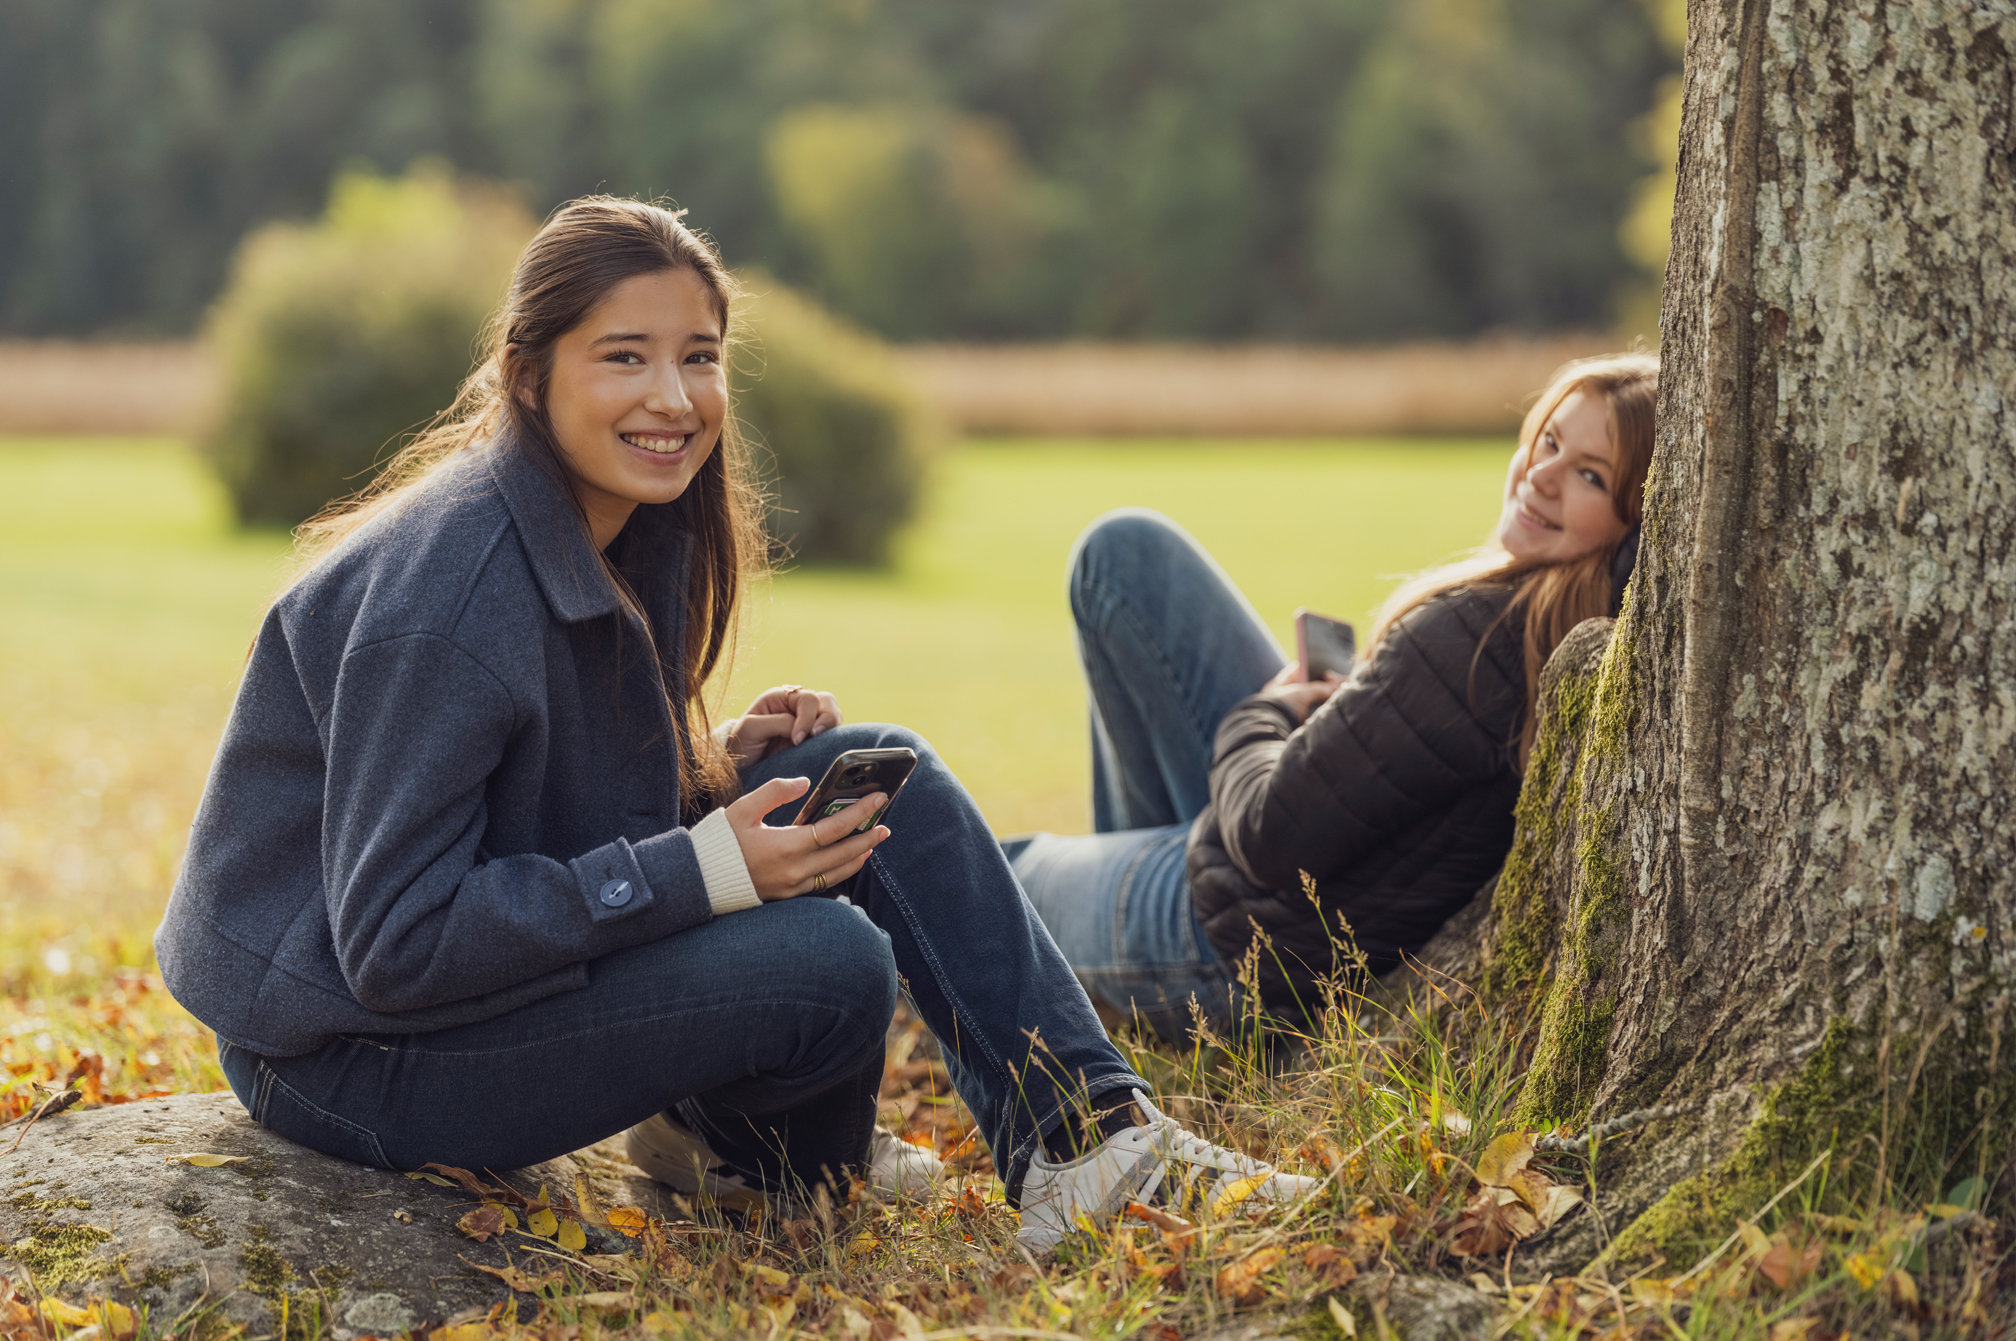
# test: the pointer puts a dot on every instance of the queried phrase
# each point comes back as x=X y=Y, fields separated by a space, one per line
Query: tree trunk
x=1767 y=841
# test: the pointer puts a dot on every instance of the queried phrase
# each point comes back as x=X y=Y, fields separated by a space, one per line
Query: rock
x=90 y=1206
x=1420 y=1308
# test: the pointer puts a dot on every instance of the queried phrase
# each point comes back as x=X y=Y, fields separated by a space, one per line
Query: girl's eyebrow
x=703 y=337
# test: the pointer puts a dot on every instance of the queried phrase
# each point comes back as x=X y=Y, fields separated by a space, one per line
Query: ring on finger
x=819 y=883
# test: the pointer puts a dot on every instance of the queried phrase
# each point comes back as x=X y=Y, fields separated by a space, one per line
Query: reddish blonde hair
x=1554 y=598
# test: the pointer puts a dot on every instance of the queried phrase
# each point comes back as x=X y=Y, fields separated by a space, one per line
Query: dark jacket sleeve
x=1410 y=732
x=420 y=915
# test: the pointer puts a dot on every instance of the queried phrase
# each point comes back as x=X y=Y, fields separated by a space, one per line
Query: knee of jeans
x=1126 y=538
x=850 y=966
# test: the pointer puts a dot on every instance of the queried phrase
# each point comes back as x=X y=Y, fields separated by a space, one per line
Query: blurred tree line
x=1348 y=170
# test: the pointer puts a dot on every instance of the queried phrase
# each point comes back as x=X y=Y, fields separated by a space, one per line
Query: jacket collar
x=570 y=573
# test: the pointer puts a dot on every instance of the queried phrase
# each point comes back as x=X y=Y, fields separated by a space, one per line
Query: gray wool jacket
x=450 y=775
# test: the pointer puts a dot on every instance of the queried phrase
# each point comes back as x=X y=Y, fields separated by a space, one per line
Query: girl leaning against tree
x=472 y=880
x=1221 y=775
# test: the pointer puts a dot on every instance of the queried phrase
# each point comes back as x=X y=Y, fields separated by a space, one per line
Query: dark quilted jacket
x=1396 y=796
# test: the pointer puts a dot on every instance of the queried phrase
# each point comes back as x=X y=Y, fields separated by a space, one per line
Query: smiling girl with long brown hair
x=1221 y=777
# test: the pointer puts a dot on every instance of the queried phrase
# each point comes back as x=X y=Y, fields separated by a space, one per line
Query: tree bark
x=1766 y=848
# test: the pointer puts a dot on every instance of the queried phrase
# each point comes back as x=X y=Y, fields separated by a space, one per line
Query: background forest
x=1328 y=170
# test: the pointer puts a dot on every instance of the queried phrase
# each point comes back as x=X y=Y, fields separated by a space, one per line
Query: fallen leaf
x=1238 y=1192
x=484 y=1223
x=1455 y=1123
x=513 y=1277
x=1784 y=1265
x=403 y=1217
x=1179 y=1234
x=203 y=1160
x=571 y=1237
x=68 y=1314
x=602 y=1300
x=1557 y=1202
x=1792 y=1329
x=769 y=1277
x=1341 y=1315
x=1330 y=1265
x=543 y=1223
x=469 y=1182
x=1504 y=1157
x=1754 y=1239
x=863 y=1246
x=628 y=1221
x=1903 y=1290
x=1240 y=1282
x=438 y=1181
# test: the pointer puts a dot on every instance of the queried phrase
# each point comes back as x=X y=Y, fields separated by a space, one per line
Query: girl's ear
x=516 y=374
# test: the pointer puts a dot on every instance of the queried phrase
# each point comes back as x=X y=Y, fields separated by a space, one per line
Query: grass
x=128 y=604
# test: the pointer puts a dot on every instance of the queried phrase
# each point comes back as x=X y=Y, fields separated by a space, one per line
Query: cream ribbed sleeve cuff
x=729 y=889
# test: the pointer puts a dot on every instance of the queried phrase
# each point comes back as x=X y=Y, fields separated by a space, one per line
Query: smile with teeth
x=662 y=443
x=1533 y=518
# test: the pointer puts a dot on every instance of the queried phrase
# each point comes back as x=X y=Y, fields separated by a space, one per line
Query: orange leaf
x=1240 y=1282
x=1329 y=1264
x=1177 y=1232
x=483 y=1224
x=628 y=1221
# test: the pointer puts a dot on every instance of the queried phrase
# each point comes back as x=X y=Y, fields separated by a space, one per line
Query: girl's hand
x=1300 y=695
x=788 y=861
x=779 y=718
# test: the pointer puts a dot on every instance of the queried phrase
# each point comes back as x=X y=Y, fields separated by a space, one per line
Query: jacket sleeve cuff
x=729 y=889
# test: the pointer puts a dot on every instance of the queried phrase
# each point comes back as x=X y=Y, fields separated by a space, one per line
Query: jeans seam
x=1116 y=607
x=318 y=1113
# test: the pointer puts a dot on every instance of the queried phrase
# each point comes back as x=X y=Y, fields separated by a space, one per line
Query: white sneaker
x=680 y=1158
x=677 y=1156
x=898 y=1169
x=1131 y=1166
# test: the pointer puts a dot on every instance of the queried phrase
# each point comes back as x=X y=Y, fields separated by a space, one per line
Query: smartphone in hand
x=855 y=774
x=1323 y=644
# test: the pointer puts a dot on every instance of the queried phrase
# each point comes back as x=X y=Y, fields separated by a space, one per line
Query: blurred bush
x=841 y=438
x=338 y=338
x=916 y=221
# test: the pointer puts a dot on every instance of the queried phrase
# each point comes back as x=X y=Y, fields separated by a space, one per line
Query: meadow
x=128 y=600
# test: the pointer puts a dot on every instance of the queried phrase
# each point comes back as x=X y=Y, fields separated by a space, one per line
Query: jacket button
x=616 y=893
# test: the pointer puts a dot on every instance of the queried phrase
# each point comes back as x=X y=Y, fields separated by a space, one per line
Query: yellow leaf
x=770 y=1276
x=114 y=1317
x=1240 y=1282
x=543 y=1223
x=906 y=1322
x=204 y=1160
x=1755 y=1239
x=468 y=1331
x=863 y=1246
x=1903 y=1290
x=68 y=1314
x=604 y=1300
x=628 y=1221
x=1238 y=1192
x=511 y=1276
x=1341 y=1315
x=1505 y=1156
x=1658 y=1293
x=1866 y=1268
x=572 y=1237
x=1792 y=1329
x=438 y=1181
x=1945 y=1210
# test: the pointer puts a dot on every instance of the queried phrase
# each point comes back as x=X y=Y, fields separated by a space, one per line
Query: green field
x=128 y=601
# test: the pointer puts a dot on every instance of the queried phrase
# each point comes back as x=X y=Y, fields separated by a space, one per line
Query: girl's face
x=637 y=396
x=1557 y=492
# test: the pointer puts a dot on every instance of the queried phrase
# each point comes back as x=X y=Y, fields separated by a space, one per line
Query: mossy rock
x=91 y=1207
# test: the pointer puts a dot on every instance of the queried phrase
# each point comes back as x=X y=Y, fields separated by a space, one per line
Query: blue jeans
x=763 y=1028
x=1169 y=646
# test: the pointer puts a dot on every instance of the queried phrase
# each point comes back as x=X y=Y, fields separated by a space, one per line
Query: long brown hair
x=586 y=249
x=1554 y=598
